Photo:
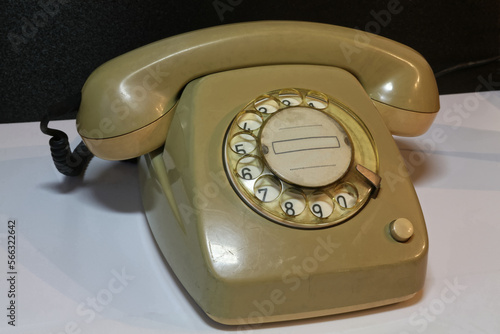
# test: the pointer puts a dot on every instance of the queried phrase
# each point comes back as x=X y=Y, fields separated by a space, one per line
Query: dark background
x=49 y=47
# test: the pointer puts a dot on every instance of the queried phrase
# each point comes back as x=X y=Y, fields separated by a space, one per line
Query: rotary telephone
x=270 y=178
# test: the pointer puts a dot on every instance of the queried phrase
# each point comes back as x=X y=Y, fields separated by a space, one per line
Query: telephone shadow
x=112 y=185
x=419 y=165
x=453 y=161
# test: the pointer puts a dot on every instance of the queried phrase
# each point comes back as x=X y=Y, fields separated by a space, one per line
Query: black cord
x=67 y=162
x=466 y=65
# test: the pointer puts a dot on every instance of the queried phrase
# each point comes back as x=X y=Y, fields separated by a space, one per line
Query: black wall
x=49 y=47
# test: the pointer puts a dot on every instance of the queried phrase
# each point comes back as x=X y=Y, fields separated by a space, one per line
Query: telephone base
x=209 y=270
x=242 y=268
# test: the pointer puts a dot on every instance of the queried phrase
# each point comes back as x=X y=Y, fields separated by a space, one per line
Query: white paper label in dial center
x=305 y=146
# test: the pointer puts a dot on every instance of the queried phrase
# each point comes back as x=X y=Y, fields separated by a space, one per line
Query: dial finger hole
x=321 y=205
x=249 y=121
x=249 y=167
x=346 y=196
x=267 y=188
x=316 y=100
x=290 y=97
x=293 y=202
x=243 y=143
x=266 y=104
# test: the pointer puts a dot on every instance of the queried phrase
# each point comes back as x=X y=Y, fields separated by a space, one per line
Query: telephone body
x=270 y=178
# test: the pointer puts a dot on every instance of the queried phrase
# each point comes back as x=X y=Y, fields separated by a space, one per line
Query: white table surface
x=87 y=262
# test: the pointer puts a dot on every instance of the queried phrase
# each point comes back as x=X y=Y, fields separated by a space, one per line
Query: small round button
x=401 y=229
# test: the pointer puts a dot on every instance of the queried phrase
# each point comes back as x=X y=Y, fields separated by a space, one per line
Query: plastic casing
x=241 y=268
x=125 y=104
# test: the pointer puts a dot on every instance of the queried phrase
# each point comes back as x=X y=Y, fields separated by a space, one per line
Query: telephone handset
x=125 y=105
x=270 y=178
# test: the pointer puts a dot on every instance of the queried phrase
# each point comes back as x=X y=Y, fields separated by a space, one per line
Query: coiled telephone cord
x=67 y=162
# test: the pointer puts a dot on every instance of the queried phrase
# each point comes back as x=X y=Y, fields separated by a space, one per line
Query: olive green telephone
x=270 y=178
